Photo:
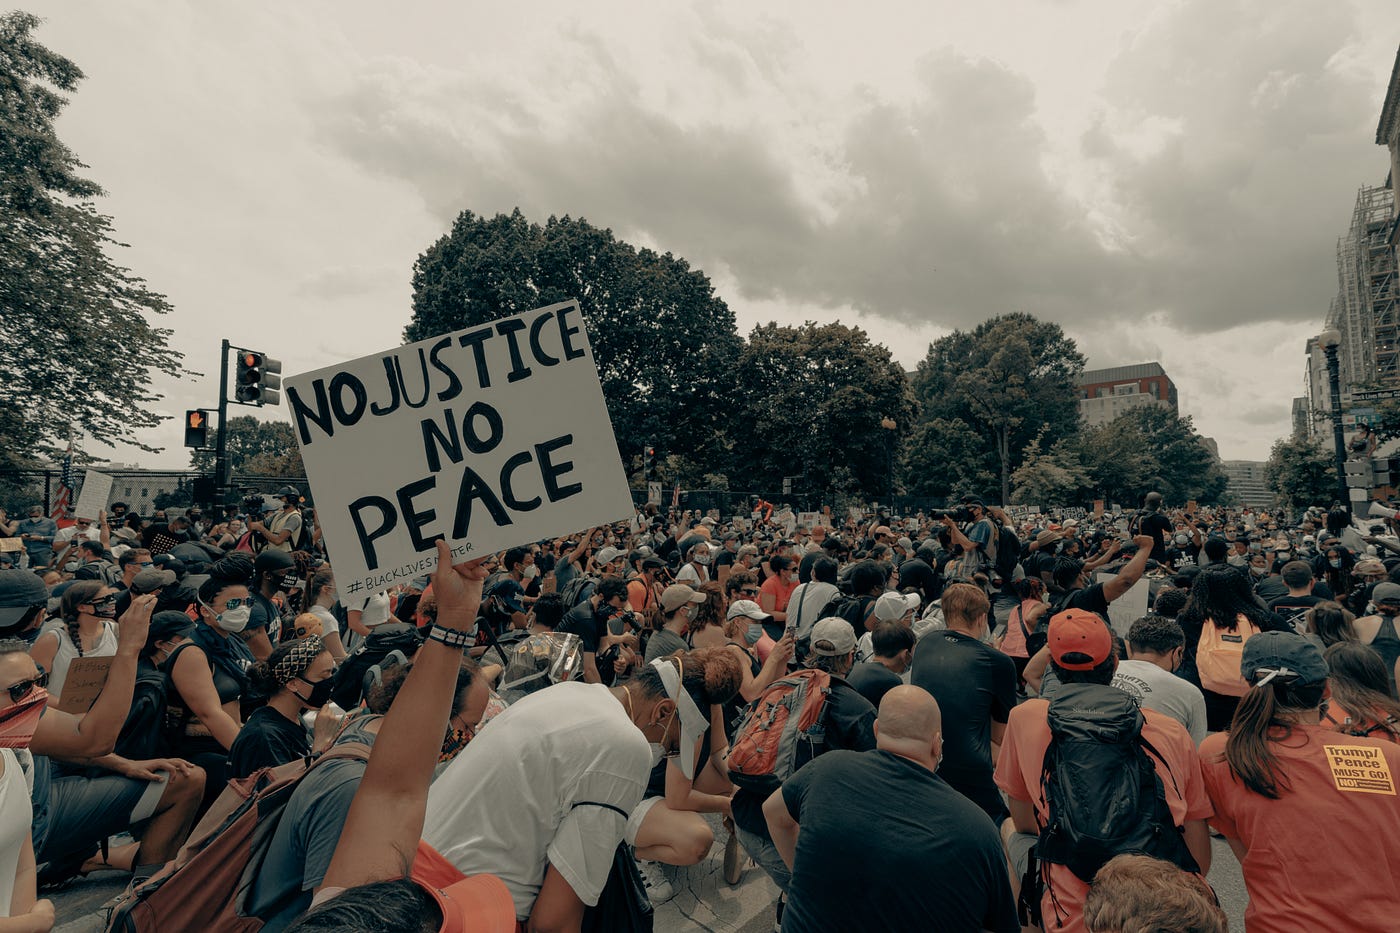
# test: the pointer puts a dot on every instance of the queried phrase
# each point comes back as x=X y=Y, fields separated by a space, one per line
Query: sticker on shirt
x=1360 y=769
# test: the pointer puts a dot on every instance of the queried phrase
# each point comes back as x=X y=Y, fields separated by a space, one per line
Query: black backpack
x=147 y=732
x=350 y=676
x=577 y=590
x=1102 y=792
x=853 y=609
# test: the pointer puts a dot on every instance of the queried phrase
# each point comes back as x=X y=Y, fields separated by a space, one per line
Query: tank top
x=106 y=647
x=16 y=814
x=1387 y=645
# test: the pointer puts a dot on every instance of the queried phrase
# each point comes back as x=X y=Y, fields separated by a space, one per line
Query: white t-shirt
x=68 y=534
x=692 y=577
x=16 y=813
x=65 y=653
x=526 y=793
x=1166 y=693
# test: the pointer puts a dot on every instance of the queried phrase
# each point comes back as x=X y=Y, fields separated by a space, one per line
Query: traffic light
x=258 y=379
x=648 y=461
x=197 y=429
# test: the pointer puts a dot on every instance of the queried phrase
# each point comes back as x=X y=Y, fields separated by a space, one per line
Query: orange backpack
x=1218 y=656
x=782 y=731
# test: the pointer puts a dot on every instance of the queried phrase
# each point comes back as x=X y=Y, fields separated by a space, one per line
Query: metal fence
x=143 y=491
x=731 y=503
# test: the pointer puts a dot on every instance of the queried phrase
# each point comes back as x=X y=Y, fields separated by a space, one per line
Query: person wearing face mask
x=86 y=629
x=297 y=677
x=1155 y=647
x=678 y=603
x=696 y=569
x=273 y=572
x=22 y=702
x=209 y=674
x=323 y=597
x=776 y=592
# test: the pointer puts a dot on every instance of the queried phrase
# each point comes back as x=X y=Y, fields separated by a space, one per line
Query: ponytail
x=1248 y=747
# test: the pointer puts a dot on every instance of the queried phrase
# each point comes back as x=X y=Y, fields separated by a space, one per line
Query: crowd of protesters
x=529 y=740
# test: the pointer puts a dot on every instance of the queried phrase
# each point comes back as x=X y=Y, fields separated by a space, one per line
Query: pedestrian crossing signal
x=197 y=428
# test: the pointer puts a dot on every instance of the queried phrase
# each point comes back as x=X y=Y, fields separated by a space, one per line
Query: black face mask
x=320 y=692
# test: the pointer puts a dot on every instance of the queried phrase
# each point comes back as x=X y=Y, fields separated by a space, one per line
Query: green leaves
x=1301 y=473
x=78 y=347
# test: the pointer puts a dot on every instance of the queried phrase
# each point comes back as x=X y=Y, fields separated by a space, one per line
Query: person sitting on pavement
x=849 y=721
x=883 y=823
x=975 y=686
x=893 y=646
x=1155 y=647
x=1140 y=893
x=296 y=677
x=678 y=604
x=1289 y=791
x=86 y=628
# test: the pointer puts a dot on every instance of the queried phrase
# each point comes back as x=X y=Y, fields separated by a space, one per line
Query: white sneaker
x=659 y=889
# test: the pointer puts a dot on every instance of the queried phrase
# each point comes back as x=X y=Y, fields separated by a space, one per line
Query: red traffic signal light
x=257 y=379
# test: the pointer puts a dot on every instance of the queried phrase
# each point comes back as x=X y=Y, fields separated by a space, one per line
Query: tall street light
x=1330 y=340
x=890 y=426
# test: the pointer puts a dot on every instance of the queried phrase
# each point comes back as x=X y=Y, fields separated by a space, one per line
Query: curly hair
x=712 y=676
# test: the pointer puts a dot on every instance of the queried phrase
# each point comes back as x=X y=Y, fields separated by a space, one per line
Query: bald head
x=909 y=713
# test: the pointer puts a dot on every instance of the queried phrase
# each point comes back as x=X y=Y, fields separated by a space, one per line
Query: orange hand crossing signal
x=197 y=428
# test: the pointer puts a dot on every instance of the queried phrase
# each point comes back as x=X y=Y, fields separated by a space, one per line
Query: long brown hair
x=1249 y=746
x=1361 y=686
x=1332 y=622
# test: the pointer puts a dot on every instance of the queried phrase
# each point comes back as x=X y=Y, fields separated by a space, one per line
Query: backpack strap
x=1150 y=749
x=1021 y=620
x=606 y=806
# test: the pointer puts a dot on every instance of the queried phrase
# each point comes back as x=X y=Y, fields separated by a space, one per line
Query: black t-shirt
x=904 y=851
x=584 y=622
x=725 y=558
x=873 y=680
x=974 y=684
x=268 y=738
x=804 y=566
x=1292 y=609
x=1090 y=598
x=850 y=724
x=1158 y=526
x=1039 y=562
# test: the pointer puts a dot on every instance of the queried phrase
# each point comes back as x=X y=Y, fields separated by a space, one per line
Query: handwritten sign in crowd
x=489 y=437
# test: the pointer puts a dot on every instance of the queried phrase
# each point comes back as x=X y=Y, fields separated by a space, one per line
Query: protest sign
x=11 y=545
x=92 y=498
x=85 y=680
x=1128 y=608
x=489 y=437
x=653 y=493
x=808 y=520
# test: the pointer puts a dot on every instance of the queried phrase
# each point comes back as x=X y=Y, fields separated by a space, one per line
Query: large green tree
x=78 y=345
x=814 y=399
x=1149 y=448
x=1010 y=379
x=1301 y=472
x=945 y=457
x=256 y=448
x=664 y=343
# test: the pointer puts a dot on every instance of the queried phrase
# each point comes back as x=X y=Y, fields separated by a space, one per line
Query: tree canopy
x=664 y=343
x=1301 y=472
x=256 y=448
x=78 y=346
x=813 y=402
x=1009 y=380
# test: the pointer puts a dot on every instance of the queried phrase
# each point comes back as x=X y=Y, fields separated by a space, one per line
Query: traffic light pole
x=221 y=477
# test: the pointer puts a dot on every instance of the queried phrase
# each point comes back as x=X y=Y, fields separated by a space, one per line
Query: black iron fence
x=143 y=491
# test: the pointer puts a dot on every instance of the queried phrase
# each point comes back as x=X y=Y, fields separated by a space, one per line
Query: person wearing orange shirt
x=1291 y=795
x=1081 y=652
x=775 y=592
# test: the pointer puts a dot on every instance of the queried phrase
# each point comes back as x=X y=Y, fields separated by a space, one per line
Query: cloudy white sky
x=1164 y=178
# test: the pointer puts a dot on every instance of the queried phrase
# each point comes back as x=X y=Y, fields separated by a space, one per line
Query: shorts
x=1018 y=852
x=84 y=811
x=639 y=814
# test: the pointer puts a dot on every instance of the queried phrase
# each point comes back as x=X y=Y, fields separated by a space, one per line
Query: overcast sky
x=1167 y=180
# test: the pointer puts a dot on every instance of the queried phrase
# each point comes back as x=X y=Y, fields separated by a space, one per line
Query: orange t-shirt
x=1018 y=773
x=781 y=594
x=1340 y=719
x=1341 y=811
x=640 y=596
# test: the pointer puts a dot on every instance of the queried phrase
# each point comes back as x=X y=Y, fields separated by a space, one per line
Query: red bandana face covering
x=18 y=722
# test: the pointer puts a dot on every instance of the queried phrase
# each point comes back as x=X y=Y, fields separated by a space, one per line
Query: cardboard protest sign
x=11 y=544
x=489 y=437
x=85 y=680
x=92 y=498
x=808 y=520
x=1128 y=608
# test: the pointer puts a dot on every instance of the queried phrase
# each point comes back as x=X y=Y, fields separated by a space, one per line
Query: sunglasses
x=22 y=689
x=747 y=591
x=235 y=603
x=104 y=602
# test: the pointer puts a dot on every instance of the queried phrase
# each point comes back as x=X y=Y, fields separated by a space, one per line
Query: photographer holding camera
x=977 y=545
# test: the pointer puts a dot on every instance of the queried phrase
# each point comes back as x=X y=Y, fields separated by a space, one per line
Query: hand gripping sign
x=490 y=437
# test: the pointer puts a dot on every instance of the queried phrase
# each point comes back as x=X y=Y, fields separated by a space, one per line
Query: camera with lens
x=962 y=514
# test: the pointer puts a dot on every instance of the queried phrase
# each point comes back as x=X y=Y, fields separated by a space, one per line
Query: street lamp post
x=1330 y=340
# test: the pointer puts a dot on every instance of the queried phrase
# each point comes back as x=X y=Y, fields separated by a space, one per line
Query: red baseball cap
x=1079 y=640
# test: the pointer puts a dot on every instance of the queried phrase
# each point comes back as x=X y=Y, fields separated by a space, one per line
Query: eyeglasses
x=749 y=591
x=22 y=689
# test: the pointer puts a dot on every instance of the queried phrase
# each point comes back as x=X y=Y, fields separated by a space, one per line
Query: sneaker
x=659 y=889
x=733 y=860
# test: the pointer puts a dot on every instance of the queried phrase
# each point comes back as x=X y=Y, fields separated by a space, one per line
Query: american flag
x=64 y=500
x=676 y=497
